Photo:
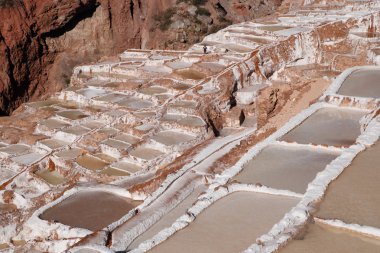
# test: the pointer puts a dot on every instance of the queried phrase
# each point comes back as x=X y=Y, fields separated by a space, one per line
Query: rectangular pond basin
x=231 y=224
x=54 y=143
x=130 y=168
x=90 y=162
x=92 y=210
x=354 y=196
x=51 y=177
x=15 y=149
x=28 y=159
x=362 y=83
x=127 y=138
x=120 y=145
x=54 y=124
x=168 y=219
x=170 y=138
x=321 y=238
x=135 y=103
x=146 y=153
x=285 y=167
x=112 y=172
x=70 y=154
x=328 y=126
x=72 y=114
x=190 y=74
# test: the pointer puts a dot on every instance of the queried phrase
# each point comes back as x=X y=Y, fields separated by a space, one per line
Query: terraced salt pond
x=170 y=138
x=229 y=225
x=190 y=74
x=146 y=153
x=91 y=162
x=328 y=126
x=52 y=177
x=321 y=238
x=92 y=210
x=285 y=167
x=361 y=180
x=362 y=83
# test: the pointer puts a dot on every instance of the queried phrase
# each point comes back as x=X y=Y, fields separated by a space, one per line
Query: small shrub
x=202 y=11
x=7 y=3
x=164 y=18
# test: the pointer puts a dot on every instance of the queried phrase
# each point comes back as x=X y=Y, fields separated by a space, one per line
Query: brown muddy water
x=231 y=224
x=362 y=83
x=286 y=168
x=354 y=196
x=322 y=238
x=91 y=162
x=92 y=210
x=328 y=126
x=170 y=138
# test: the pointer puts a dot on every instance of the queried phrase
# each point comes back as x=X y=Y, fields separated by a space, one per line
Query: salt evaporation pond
x=168 y=219
x=361 y=180
x=92 y=210
x=15 y=149
x=231 y=224
x=52 y=177
x=146 y=153
x=321 y=238
x=54 y=123
x=72 y=114
x=285 y=167
x=91 y=162
x=170 y=138
x=70 y=153
x=190 y=74
x=328 y=126
x=362 y=83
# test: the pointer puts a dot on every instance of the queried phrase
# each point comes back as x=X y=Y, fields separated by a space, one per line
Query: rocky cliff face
x=40 y=41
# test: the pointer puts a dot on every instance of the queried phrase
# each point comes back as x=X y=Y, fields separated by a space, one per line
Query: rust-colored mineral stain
x=92 y=210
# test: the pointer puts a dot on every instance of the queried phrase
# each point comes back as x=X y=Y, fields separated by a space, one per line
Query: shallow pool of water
x=286 y=168
x=15 y=149
x=51 y=177
x=127 y=167
x=230 y=225
x=114 y=172
x=72 y=114
x=192 y=121
x=362 y=83
x=146 y=153
x=116 y=144
x=273 y=28
x=70 y=154
x=92 y=210
x=321 y=238
x=127 y=138
x=91 y=162
x=54 y=143
x=135 y=103
x=54 y=123
x=190 y=74
x=153 y=90
x=354 y=196
x=170 y=138
x=328 y=126
x=91 y=92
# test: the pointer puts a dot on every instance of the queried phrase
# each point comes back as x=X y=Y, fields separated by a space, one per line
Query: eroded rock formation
x=40 y=41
